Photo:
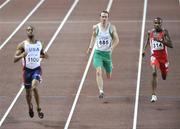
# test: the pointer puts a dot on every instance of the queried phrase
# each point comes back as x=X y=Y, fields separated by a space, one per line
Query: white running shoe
x=101 y=94
x=153 y=98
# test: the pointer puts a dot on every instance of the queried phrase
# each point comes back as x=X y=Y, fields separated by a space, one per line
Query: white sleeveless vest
x=103 y=39
x=32 y=60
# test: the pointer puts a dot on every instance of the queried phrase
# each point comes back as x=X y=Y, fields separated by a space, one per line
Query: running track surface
x=63 y=71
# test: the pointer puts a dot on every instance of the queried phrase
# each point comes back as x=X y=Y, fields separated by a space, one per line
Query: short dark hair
x=105 y=11
x=30 y=26
x=158 y=19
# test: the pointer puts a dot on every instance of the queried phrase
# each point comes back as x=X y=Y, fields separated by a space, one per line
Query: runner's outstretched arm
x=20 y=53
x=93 y=38
x=167 y=40
x=115 y=38
x=146 y=44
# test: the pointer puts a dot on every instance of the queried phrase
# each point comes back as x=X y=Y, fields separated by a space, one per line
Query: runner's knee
x=154 y=74
x=164 y=76
x=98 y=73
x=108 y=75
x=28 y=93
x=35 y=83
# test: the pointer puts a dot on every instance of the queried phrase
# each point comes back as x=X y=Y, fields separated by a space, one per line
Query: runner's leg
x=164 y=70
x=36 y=94
x=154 y=79
x=99 y=78
x=29 y=97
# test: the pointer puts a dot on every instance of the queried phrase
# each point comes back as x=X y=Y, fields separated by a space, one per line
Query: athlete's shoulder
x=95 y=26
x=151 y=30
x=20 y=46
x=39 y=41
x=23 y=43
x=112 y=27
x=95 y=29
x=164 y=30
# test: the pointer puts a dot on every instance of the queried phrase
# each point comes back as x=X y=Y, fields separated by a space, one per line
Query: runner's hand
x=24 y=54
x=143 y=53
x=44 y=55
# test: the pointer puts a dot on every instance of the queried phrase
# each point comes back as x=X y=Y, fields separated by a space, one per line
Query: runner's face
x=104 y=17
x=157 y=24
x=30 y=32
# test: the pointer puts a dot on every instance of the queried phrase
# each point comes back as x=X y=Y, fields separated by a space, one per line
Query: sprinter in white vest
x=31 y=51
x=105 y=39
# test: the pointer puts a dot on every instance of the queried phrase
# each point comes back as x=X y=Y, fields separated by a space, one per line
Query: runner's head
x=158 y=23
x=30 y=31
x=104 y=16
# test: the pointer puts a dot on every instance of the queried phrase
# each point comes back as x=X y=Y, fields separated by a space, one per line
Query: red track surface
x=63 y=71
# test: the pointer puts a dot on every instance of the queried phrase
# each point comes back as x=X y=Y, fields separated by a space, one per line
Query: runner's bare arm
x=43 y=53
x=167 y=40
x=146 y=44
x=93 y=38
x=20 y=53
x=115 y=38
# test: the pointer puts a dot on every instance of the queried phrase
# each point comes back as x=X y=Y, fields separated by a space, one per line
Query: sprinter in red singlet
x=158 y=39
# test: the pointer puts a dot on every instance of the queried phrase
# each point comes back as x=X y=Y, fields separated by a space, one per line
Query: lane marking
x=84 y=21
x=47 y=47
x=82 y=80
x=139 y=65
x=11 y=106
x=2 y=5
x=62 y=24
x=172 y=98
x=20 y=25
x=109 y=5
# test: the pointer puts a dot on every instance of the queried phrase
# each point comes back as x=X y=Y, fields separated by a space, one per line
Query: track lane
x=11 y=13
x=164 y=114
x=15 y=80
x=3 y=3
x=58 y=96
x=116 y=110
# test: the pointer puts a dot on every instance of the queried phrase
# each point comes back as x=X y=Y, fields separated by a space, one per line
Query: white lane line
x=109 y=5
x=62 y=24
x=173 y=98
x=11 y=106
x=139 y=65
x=2 y=5
x=82 y=82
x=46 y=49
x=20 y=25
x=84 y=21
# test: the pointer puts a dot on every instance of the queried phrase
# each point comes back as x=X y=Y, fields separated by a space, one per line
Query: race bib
x=157 y=45
x=32 y=58
x=103 y=42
